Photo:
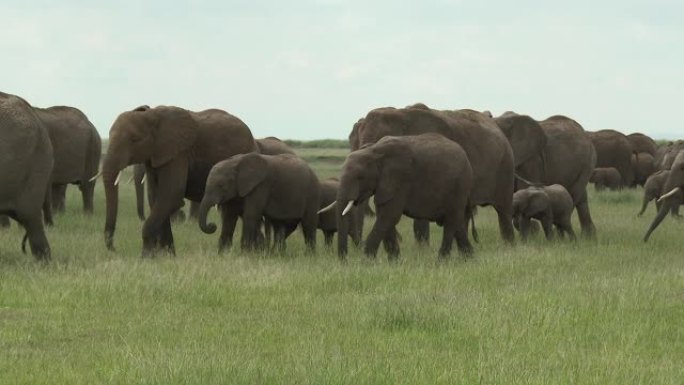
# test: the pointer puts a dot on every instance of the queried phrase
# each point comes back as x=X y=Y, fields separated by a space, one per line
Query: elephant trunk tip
x=209 y=228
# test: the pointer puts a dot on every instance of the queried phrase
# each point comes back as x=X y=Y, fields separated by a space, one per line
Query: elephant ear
x=251 y=172
x=396 y=167
x=175 y=132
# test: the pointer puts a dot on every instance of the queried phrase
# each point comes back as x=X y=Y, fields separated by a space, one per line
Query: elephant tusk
x=327 y=208
x=347 y=208
x=118 y=177
x=142 y=181
x=671 y=193
x=95 y=177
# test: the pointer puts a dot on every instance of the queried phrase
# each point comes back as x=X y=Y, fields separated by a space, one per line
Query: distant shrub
x=318 y=143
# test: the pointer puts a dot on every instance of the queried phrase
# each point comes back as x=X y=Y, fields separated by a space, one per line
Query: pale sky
x=310 y=69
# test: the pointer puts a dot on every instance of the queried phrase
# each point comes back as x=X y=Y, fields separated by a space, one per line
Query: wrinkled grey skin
x=643 y=164
x=606 y=178
x=642 y=143
x=76 y=149
x=138 y=181
x=281 y=188
x=666 y=154
x=675 y=180
x=551 y=205
x=653 y=189
x=425 y=177
x=179 y=147
x=26 y=162
x=613 y=149
x=569 y=159
x=327 y=221
x=487 y=148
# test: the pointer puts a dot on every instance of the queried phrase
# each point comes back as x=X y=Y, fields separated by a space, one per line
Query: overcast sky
x=310 y=69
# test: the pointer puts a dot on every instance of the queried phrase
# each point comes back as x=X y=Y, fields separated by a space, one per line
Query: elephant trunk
x=664 y=209
x=343 y=222
x=140 y=197
x=109 y=176
x=205 y=205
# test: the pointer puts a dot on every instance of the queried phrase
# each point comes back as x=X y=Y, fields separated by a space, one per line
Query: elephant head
x=232 y=178
x=673 y=188
x=528 y=202
x=377 y=170
x=155 y=135
x=525 y=135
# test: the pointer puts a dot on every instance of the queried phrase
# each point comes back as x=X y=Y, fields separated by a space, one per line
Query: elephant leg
x=329 y=236
x=356 y=225
x=504 y=211
x=87 y=192
x=58 y=197
x=391 y=244
x=310 y=225
x=166 y=238
x=47 y=207
x=229 y=215
x=269 y=235
x=40 y=248
x=525 y=224
x=387 y=217
x=251 y=222
x=566 y=226
x=547 y=225
x=289 y=228
x=587 y=225
x=421 y=230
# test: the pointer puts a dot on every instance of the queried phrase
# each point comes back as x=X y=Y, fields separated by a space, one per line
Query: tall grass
x=607 y=311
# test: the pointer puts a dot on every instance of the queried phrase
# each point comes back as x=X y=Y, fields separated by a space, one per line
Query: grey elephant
x=643 y=164
x=551 y=205
x=327 y=219
x=488 y=151
x=426 y=177
x=77 y=148
x=613 y=149
x=553 y=151
x=653 y=189
x=281 y=188
x=180 y=147
x=139 y=177
x=673 y=193
x=642 y=143
x=606 y=178
x=26 y=164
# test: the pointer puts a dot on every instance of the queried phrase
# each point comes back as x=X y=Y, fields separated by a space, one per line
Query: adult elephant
x=139 y=178
x=613 y=149
x=559 y=152
x=179 y=147
x=667 y=153
x=673 y=188
x=644 y=166
x=76 y=149
x=487 y=149
x=25 y=167
x=642 y=143
x=273 y=146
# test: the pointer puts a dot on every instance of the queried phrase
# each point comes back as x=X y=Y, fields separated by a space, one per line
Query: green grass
x=608 y=311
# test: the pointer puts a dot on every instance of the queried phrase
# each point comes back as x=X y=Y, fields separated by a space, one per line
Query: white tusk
x=118 y=177
x=671 y=193
x=347 y=208
x=95 y=177
x=142 y=181
x=327 y=208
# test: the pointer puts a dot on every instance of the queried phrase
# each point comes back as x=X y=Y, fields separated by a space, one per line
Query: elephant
x=424 y=176
x=642 y=143
x=327 y=219
x=139 y=182
x=643 y=164
x=273 y=146
x=560 y=153
x=666 y=154
x=179 y=147
x=77 y=148
x=282 y=188
x=26 y=164
x=653 y=189
x=613 y=149
x=606 y=178
x=488 y=151
x=674 y=184
x=551 y=205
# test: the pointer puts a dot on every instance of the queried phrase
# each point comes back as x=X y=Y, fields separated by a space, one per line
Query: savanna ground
x=609 y=311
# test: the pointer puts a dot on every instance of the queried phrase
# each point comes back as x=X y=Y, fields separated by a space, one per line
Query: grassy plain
x=609 y=311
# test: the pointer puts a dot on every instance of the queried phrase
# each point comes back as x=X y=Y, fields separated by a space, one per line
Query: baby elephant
x=606 y=177
x=552 y=205
x=653 y=189
x=282 y=188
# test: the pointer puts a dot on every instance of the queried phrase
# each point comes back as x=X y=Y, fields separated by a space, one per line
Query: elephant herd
x=430 y=165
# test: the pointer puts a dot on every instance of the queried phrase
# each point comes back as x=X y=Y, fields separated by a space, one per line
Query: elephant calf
x=653 y=189
x=422 y=176
x=281 y=188
x=551 y=205
x=606 y=177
